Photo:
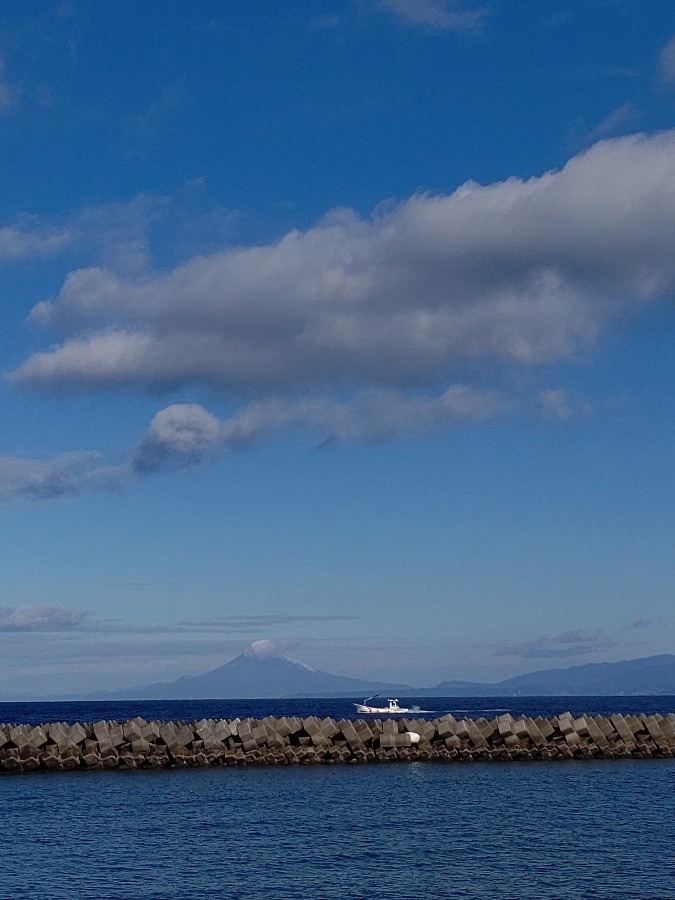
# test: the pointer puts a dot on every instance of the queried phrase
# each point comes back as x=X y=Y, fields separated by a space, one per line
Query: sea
x=564 y=830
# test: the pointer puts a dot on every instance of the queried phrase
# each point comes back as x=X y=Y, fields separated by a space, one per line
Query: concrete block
x=462 y=729
x=101 y=732
x=596 y=735
x=634 y=723
x=476 y=735
x=426 y=731
x=365 y=732
x=622 y=729
x=329 y=727
x=566 y=724
x=546 y=727
x=351 y=735
x=167 y=734
x=605 y=727
x=37 y=737
x=175 y=735
x=221 y=729
x=27 y=736
x=213 y=747
x=52 y=761
x=204 y=728
x=283 y=726
x=59 y=733
x=92 y=760
x=580 y=725
x=294 y=724
x=131 y=731
x=486 y=728
x=445 y=726
x=520 y=729
x=505 y=725
x=259 y=735
x=116 y=734
x=245 y=732
x=77 y=733
x=534 y=732
x=140 y=746
x=655 y=732
x=666 y=727
x=288 y=740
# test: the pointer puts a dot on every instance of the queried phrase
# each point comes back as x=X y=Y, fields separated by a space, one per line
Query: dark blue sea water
x=519 y=831
x=191 y=710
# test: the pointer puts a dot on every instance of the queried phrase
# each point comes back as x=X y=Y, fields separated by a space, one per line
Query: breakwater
x=285 y=740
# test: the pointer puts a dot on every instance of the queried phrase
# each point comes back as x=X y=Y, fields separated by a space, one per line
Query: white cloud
x=446 y=15
x=180 y=435
x=264 y=649
x=30 y=238
x=667 y=61
x=524 y=272
x=66 y=476
x=186 y=434
x=36 y=618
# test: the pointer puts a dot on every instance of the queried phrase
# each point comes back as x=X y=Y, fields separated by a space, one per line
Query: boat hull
x=392 y=710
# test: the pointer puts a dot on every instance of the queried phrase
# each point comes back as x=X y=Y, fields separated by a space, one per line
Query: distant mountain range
x=250 y=676
x=649 y=675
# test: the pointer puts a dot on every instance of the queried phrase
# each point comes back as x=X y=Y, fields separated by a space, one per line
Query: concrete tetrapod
x=58 y=746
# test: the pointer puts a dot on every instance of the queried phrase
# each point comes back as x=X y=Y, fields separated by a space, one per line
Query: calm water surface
x=481 y=830
x=338 y=708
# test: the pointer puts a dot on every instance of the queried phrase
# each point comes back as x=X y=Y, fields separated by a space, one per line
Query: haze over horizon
x=344 y=328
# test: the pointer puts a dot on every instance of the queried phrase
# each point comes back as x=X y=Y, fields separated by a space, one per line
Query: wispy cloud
x=617 y=120
x=640 y=624
x=265 y=621
x=36 y=617
x=557 y=403
x=578 y=642
x=41 y=618
x=171 y=99
x=9 y=95
x=31 y=237
x=667 y=62
x=121 y=236
x=187 y=434
x=65 y=476
x=445 y=15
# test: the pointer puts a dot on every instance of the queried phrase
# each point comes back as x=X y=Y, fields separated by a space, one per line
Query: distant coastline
x=251 y=677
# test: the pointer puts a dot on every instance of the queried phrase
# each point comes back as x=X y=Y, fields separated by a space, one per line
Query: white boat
x=392 y=708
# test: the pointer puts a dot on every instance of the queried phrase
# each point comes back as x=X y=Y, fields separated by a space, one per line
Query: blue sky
x=342 y=324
